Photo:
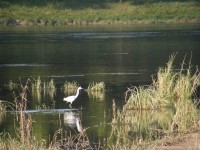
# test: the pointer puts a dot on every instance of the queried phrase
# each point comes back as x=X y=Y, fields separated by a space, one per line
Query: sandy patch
x=191 y=142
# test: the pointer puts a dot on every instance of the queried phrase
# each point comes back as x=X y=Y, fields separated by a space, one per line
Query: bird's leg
x=70 y=105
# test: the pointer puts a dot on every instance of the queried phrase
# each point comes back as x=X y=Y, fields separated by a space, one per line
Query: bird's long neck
x=77 y=92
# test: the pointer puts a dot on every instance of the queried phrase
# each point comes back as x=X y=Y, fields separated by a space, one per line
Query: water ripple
x=23 y=65
x=115 y=53
x=118 y=73
x=53 y=37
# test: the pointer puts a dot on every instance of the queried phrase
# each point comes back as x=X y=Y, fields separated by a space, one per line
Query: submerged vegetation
x=77 y=12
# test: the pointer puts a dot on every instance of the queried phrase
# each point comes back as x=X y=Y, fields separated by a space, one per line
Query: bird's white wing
x=69 y=99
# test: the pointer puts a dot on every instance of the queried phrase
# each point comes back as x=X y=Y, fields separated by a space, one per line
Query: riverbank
x=52 y=13
x=186 y=142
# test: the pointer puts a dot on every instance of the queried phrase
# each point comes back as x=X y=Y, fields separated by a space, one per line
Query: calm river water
x=120 y=56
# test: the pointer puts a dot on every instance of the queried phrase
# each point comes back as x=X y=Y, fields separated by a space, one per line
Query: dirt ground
x=191 y=142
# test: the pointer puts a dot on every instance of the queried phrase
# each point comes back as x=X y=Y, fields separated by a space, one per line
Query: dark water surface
x=120 y=56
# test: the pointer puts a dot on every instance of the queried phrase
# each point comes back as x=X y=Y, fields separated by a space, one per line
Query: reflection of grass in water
x=11 y=85
x=96 y=95
x=146 y=125
x=61 y=140
x=37 y=94
x=48 y=88
x=171 y=89
x=37 y=83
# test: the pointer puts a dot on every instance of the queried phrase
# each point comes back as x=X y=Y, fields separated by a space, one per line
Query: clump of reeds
x=23 y=120
x=50 y=85
x=169 y=88
x=96 y=90
x=37 y=84
x=70 y=87
x=96 y=86
x=172 y=89
x=49 y=88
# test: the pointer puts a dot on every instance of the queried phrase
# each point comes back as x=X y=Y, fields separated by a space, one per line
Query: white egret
x=70 y=99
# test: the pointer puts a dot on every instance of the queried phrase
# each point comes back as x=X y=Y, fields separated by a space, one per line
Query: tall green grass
x=169 y=89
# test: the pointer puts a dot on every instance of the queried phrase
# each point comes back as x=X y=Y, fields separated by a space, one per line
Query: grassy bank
x=174 y=90
x=78 y=12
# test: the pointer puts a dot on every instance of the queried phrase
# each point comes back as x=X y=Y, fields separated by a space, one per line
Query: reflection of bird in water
x=70 y=99
x=79 y=125
x=72 y=120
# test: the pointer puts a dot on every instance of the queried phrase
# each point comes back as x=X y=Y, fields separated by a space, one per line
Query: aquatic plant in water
x=37 y=84
x=23 y=127
x=172 y=90
x=70 y=87
x=167 y=90
x=50 y=85
x=49 y=88
x=96 y=90
x=96 y=86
